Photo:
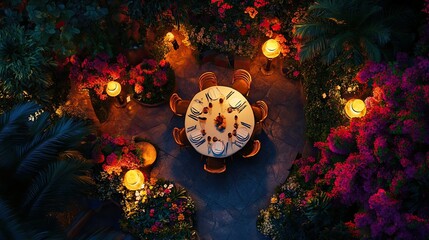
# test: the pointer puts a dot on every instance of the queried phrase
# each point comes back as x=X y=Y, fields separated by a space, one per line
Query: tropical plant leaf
x=10 y=227
x=56 y=185
x=43 y=148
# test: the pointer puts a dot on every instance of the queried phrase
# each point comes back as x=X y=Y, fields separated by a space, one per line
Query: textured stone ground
x=227 y=204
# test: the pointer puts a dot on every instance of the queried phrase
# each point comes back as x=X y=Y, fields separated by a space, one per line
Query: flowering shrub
x=160 y=210
x=379 y=163
x=151 y=81
x=95 y=73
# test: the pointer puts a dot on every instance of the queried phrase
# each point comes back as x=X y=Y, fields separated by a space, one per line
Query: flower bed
x=149 y=82
x=159 y=209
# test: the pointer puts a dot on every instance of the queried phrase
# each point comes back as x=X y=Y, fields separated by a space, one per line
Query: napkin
x=196 y=136
x=235 y=102
x=213 y=94
x=242 y=134
x=197 y=108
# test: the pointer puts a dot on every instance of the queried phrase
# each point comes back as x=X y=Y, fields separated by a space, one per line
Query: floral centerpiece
x=220 y=122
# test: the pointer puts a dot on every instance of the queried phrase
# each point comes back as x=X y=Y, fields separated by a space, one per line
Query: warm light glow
x=271 y=48
x=355 y=108
x=113 y=88
x=134 y=179
x=169 y=37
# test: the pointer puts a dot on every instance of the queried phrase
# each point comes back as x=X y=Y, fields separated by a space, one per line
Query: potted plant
x=153 y=82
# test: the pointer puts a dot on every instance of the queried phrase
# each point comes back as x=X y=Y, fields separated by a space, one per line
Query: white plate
x=197 y=108
x=218 y=147
x=242 y=134
x=196 y=135
x=213 y=93
x=235 y=102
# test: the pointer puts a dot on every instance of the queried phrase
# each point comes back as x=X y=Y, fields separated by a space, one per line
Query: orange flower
x=251 y=11
x=181 y=217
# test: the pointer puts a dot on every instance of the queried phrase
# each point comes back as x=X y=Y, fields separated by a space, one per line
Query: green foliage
x=39 y=172
x=337 y=82
x=358 y=28
x=66 y=27
x=23 y=67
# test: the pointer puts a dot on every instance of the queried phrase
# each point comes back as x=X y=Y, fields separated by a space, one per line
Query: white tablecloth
x=195 y=123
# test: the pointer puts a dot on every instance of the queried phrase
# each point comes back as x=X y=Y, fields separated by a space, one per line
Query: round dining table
x=219 y=121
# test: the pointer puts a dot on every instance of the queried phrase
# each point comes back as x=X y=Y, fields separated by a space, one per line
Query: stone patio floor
x=227 y=204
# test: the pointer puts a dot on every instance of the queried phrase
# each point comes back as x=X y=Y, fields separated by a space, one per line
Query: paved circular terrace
x=227 y=204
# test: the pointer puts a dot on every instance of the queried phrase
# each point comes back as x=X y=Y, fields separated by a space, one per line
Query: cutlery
x=238 y=144
x=238 y=104
x=198 y=101
x=241 y=108
x=226 y=148
x=207 y=97
x=245 y=124
x=191 y=128
x=201 y=142
x=229 y=94
x=193 y=117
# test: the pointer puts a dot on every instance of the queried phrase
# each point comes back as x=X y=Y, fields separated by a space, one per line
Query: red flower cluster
x=118 y=152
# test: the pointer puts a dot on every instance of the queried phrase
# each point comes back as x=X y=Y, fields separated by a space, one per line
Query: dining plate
x=242 y=134
x=235 y=102
x=196 y=135
x=218 y=147
x=213 y=94
x=197 y=108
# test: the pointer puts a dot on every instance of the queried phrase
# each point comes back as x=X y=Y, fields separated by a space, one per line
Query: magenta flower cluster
x=379 y=161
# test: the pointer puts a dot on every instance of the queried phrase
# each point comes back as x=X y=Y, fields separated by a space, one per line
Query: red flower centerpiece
x=220 y=122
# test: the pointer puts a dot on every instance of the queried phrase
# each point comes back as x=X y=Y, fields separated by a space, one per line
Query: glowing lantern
x=270 y=49
x=355 y=108
x=134 y=179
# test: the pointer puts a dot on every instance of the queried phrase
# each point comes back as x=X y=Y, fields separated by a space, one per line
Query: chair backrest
x=263 y=110
x=241 y=81
x=215 y=165
x=207 y=79
x=242 y=74
x=256 y=146
x=179 y=136
x=177 y=105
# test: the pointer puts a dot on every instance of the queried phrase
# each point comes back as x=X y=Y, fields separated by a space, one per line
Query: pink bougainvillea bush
x=375 y=171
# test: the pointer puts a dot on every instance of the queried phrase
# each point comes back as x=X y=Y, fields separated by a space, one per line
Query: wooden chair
x=241 y=81
x=177 y=105
x=215 y=165
x=206 y=80
x=260 y=111
x=252 y=150
x=179 y=136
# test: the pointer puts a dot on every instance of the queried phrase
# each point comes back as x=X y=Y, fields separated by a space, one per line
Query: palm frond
x=311 y=48
x=10 y=226
x=56 y=185
x=14 y=122
x=312 y=29
x=371 y=50
x=66 y=133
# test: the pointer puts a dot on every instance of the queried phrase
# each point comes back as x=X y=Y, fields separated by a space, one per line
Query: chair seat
x=242 y=86
x=215 y=165
x=257 y=112
x=208 y=83
x=182 y=107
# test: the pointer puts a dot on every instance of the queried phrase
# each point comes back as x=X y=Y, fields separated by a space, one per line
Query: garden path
x=227 y=204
